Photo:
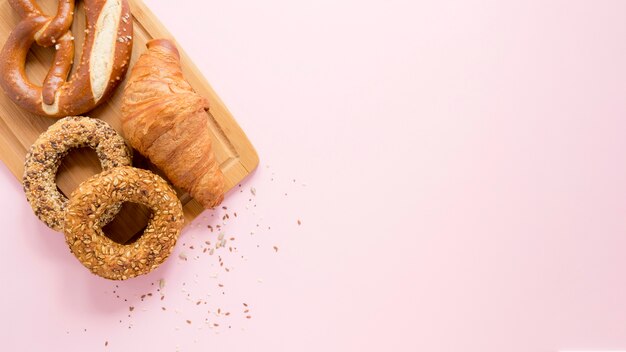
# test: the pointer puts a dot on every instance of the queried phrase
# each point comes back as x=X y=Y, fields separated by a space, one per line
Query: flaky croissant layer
x=166 y=121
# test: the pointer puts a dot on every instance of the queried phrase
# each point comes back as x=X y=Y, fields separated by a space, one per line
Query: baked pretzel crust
x=103 y=63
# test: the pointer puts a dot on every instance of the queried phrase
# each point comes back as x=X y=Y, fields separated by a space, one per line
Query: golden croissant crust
x=165 y=120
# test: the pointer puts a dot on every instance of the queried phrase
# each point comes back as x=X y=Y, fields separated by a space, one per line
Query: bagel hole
x=77 y=166
x=129 y=224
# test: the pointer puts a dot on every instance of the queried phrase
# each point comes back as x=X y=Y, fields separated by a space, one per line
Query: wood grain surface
x=19 y=129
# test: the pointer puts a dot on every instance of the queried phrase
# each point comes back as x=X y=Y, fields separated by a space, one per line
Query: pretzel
x=104 y=60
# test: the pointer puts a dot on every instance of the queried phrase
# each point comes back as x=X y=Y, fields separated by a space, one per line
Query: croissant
x=166 y=121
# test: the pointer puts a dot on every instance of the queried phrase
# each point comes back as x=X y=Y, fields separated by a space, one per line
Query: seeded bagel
x=45 y=156
x=90 y=201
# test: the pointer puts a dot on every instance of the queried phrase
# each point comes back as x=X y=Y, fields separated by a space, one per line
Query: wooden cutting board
x=19 y=129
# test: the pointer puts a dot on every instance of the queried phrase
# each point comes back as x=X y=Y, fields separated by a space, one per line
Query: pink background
x=459 y=174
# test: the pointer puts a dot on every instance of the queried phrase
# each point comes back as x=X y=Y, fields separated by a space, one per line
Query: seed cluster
x=46 y=154
x=91 y=201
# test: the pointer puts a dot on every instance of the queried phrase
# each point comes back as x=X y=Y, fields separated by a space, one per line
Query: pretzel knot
x=103 y=63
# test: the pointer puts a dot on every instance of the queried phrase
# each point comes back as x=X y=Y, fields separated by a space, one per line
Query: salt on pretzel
x=104 y=60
